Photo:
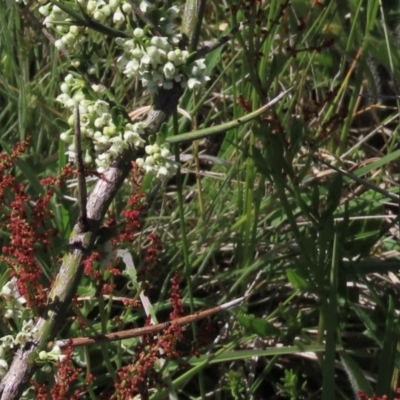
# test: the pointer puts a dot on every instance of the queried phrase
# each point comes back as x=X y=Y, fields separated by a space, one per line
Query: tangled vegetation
x=199 y=199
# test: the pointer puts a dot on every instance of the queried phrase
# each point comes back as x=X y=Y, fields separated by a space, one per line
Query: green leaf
x=162 y=134
x=116 y=116
x=356 y=375
x=334 y=196
x=298 y=280
x=259 y=326
x=211 y=60
x=63 y=125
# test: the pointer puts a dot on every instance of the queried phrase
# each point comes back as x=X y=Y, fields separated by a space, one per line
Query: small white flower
x=64 y=88
x=59 y=45
x=120 y=41
x=68 y=39
x=162 y=172
x=75 y=63
x=8 y=341
x=138 y=33
x=165 y=152
x=88 y=159
x=45 y=10
x=201 y=63
x=22 y=338
x=69 y=79
x=110 y=129
x=169 y=70
x=7 y=289
x=145 y=6
x=73 y=29
x=127 y=8
x=78 y=97
x=64 y=136
x=193 y=83
x=97 y=135
x=132 y=137
x=104 y=140
x=173 y=12
x=160 y=42
x=71 y=120
x=91 y=6
x=149 y=149
x=63 y=98
x=70 y=103
x=27 y=326
x=150 y=160
x=139 y=127
x=97 y=88
x=98 y=16
x=137 y=53
x=106 y=10
x=99 y=122
x=132 y=68
x=118 y=16
x=85 y=120
x=56 y=350
x=101 y=107
x=155 y=55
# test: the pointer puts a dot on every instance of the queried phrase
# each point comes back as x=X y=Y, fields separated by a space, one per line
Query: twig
x=361 y=181
x=220 y=42
x=144 y=19
x=148 y=330
x=82 y=191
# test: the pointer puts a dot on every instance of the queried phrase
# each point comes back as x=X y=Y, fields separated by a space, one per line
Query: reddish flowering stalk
x=363 y=396
x=41 y=392
x=27 y=224
x=175 y=298
x=88 y=265
x=133 y=210
x=138 y=377
x=65 y=377
x=154 y=249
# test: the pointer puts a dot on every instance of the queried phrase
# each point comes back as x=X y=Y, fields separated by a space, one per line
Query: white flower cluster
x=97 y=127
x=157 y=161
x=156 y=61
x=73 y=37
x=158 y=64
x=15 y=302
x=47 y=358
x=101 y=138
x=8 y=342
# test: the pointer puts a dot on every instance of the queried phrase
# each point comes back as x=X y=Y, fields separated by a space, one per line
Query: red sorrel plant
x=29 y=222
x=363 y=396
x=66 y=375
x=141 y=376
